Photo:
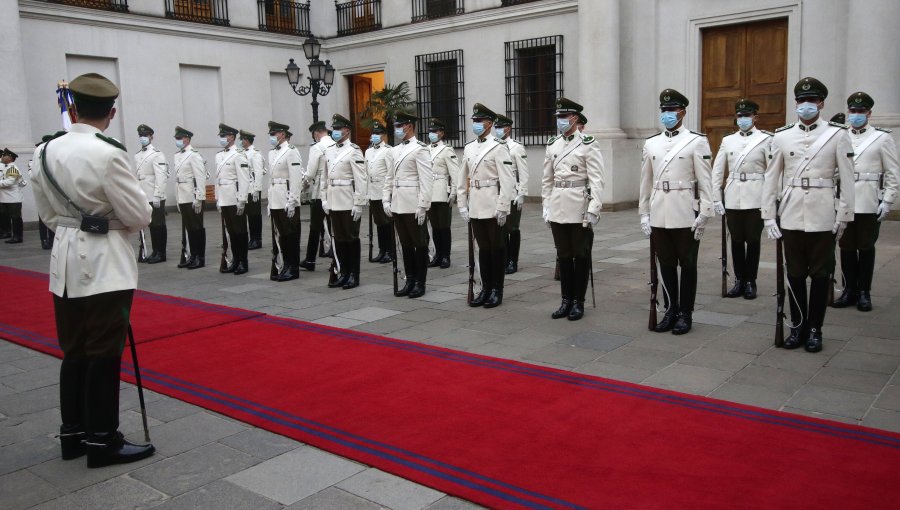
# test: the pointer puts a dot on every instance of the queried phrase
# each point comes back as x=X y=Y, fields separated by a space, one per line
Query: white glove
x=838 y=229
x=198 y=206
x=290 y=210
x=240 y=208
x=772 y=229
x=519 y=201
x=255 y=196
x=218 y=207
x=420 y=215
x=719 y=208
x=501 y=218
x=592 y=218
x=883 y=209
x=645 y=224
x=464 y=213
x=387 y=208
x=325 y=206
x=156 y=203
x=356 y=212
x=699 y=226
x=546 y=214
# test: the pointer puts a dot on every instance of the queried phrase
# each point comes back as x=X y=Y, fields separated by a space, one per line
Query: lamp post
x=321 y=75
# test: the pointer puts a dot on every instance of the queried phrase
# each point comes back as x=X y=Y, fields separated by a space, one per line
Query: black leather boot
x=668 y=320
x=158 y=235
x=409 y=268
x=669 y=277
x=864 y=302
x=737 y=290
x=436 y=240
x=240 y=251
x=254 y=228
x=515 y=241
x=198 y=257
x=738 y=263
x=18 y=229
x=71 y=441
x=445 y=248
x=818 y=303
x=480 y=298
x=564 y=308
x=494 y=299
x=683 y=323
x=192 y=245
x=340 y=251
x=418 y=289
x=814 y=342
x=866 y=269
x=72 y=379
x=750 y=290
x=353 y=260
x=797 y=300
x=106 y=449
x=850 y=269
x=566 y=284
x=577 y=311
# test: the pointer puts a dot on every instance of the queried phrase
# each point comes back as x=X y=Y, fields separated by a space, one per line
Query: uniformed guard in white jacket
x=675 y=204
x=742 y=157
x=378 y=162
x=809 y=185
x=571 y=186
x=153 y=173
x=285 y=184
x=258 y=172
x=92 y=274
x=343 y=191
x=445 y=168
x=11 y=183
x=487 y=186
x=406 y=198
x=190 y=172
x=876 y=175
x=519 y=157
x=315 y=167
x=232 y=190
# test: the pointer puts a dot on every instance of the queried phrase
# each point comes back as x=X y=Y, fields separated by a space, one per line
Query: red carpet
x=500 y=433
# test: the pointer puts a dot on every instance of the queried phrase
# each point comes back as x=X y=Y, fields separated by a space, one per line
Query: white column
x=15 y=130
x=598 y=66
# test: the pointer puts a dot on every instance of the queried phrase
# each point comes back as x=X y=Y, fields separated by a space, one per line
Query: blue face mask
x=499 y=133
x=745 y=123
x=145 y=140
x=807 y=110
x=433 y=137
x=563 y=125
x=337 y=135
x=223 y=141
x=375 y=139
x=398 y=133
x=478 y=128
x=179 y=144
x=857 y=120
x=668 y=119
x=273 y=140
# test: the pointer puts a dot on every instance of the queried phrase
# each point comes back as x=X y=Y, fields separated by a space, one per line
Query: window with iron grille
x=358 y=16
x=507 y=3
x=213 y=12
x=431 y=9
x=534 y=79
x=440 y=94
x=106 y=5
x=284 y=16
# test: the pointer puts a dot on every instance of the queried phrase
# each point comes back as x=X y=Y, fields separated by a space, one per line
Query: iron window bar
x=440 y=94
x=534 y=79
x=358 y=16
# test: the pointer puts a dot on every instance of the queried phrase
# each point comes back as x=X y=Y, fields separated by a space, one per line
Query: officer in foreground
x=189 y=168
x=743 y=155
x=92 y=275
x=570 y=189
x=877 y=175
x=675 y=204
x=808 y=161
x=153 y=174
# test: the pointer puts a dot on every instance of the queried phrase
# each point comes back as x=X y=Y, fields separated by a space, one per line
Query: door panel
x=360 y=92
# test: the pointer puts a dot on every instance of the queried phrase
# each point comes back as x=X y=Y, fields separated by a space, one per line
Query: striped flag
x=65 y=100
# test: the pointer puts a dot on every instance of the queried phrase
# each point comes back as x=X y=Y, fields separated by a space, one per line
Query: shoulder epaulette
x=551 y=140
x=241 y=150
x=111 y=141
x=587 y=139
x=651 y=136
x=698 y=133
x=782 y=128
x=838 y=125
x=883 y=129
x=500 y=141
x=766 y=132
x=423 y=144
x=291 y=146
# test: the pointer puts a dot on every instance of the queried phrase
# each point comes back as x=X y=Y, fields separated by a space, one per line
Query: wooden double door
x=744 y=61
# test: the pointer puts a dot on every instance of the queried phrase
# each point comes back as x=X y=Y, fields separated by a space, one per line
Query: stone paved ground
x=206 y=460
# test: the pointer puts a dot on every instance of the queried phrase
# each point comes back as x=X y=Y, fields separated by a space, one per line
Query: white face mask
x=145 y=140
x=273 y=140
x=563 y=125
x=433 y=137
x=807 y=110
x=375 y=139
x=745 y=123
x=336 y=135
x=478 y=128
x=223 y=141
x=499 y=133
x=399 y=133
x=179 y=143
x=857 y=120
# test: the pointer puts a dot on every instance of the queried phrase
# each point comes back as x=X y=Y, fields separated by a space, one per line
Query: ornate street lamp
x=321 y=75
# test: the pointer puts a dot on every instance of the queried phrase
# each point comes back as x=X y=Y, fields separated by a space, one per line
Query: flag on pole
x=65 y=100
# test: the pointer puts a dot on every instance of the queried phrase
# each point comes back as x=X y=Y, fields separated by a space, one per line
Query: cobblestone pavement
x=206 y=460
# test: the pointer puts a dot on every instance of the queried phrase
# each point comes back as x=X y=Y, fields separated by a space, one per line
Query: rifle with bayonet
x=654 y=285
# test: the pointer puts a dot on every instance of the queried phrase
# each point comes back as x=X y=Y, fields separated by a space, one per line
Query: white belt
x=184 y=181
x=340 y=182
x=673 y=185
x=864 y=176
x=810 y=182
x=406 y=184
x=227 y=181
x=753 y=176
x=440 y=176
x=483 y=183
x=376 y=179
x=569 y=184
x=279 y=181
x=68 y=221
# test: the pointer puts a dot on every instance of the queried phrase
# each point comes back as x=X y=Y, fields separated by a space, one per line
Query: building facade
x=196 y=63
